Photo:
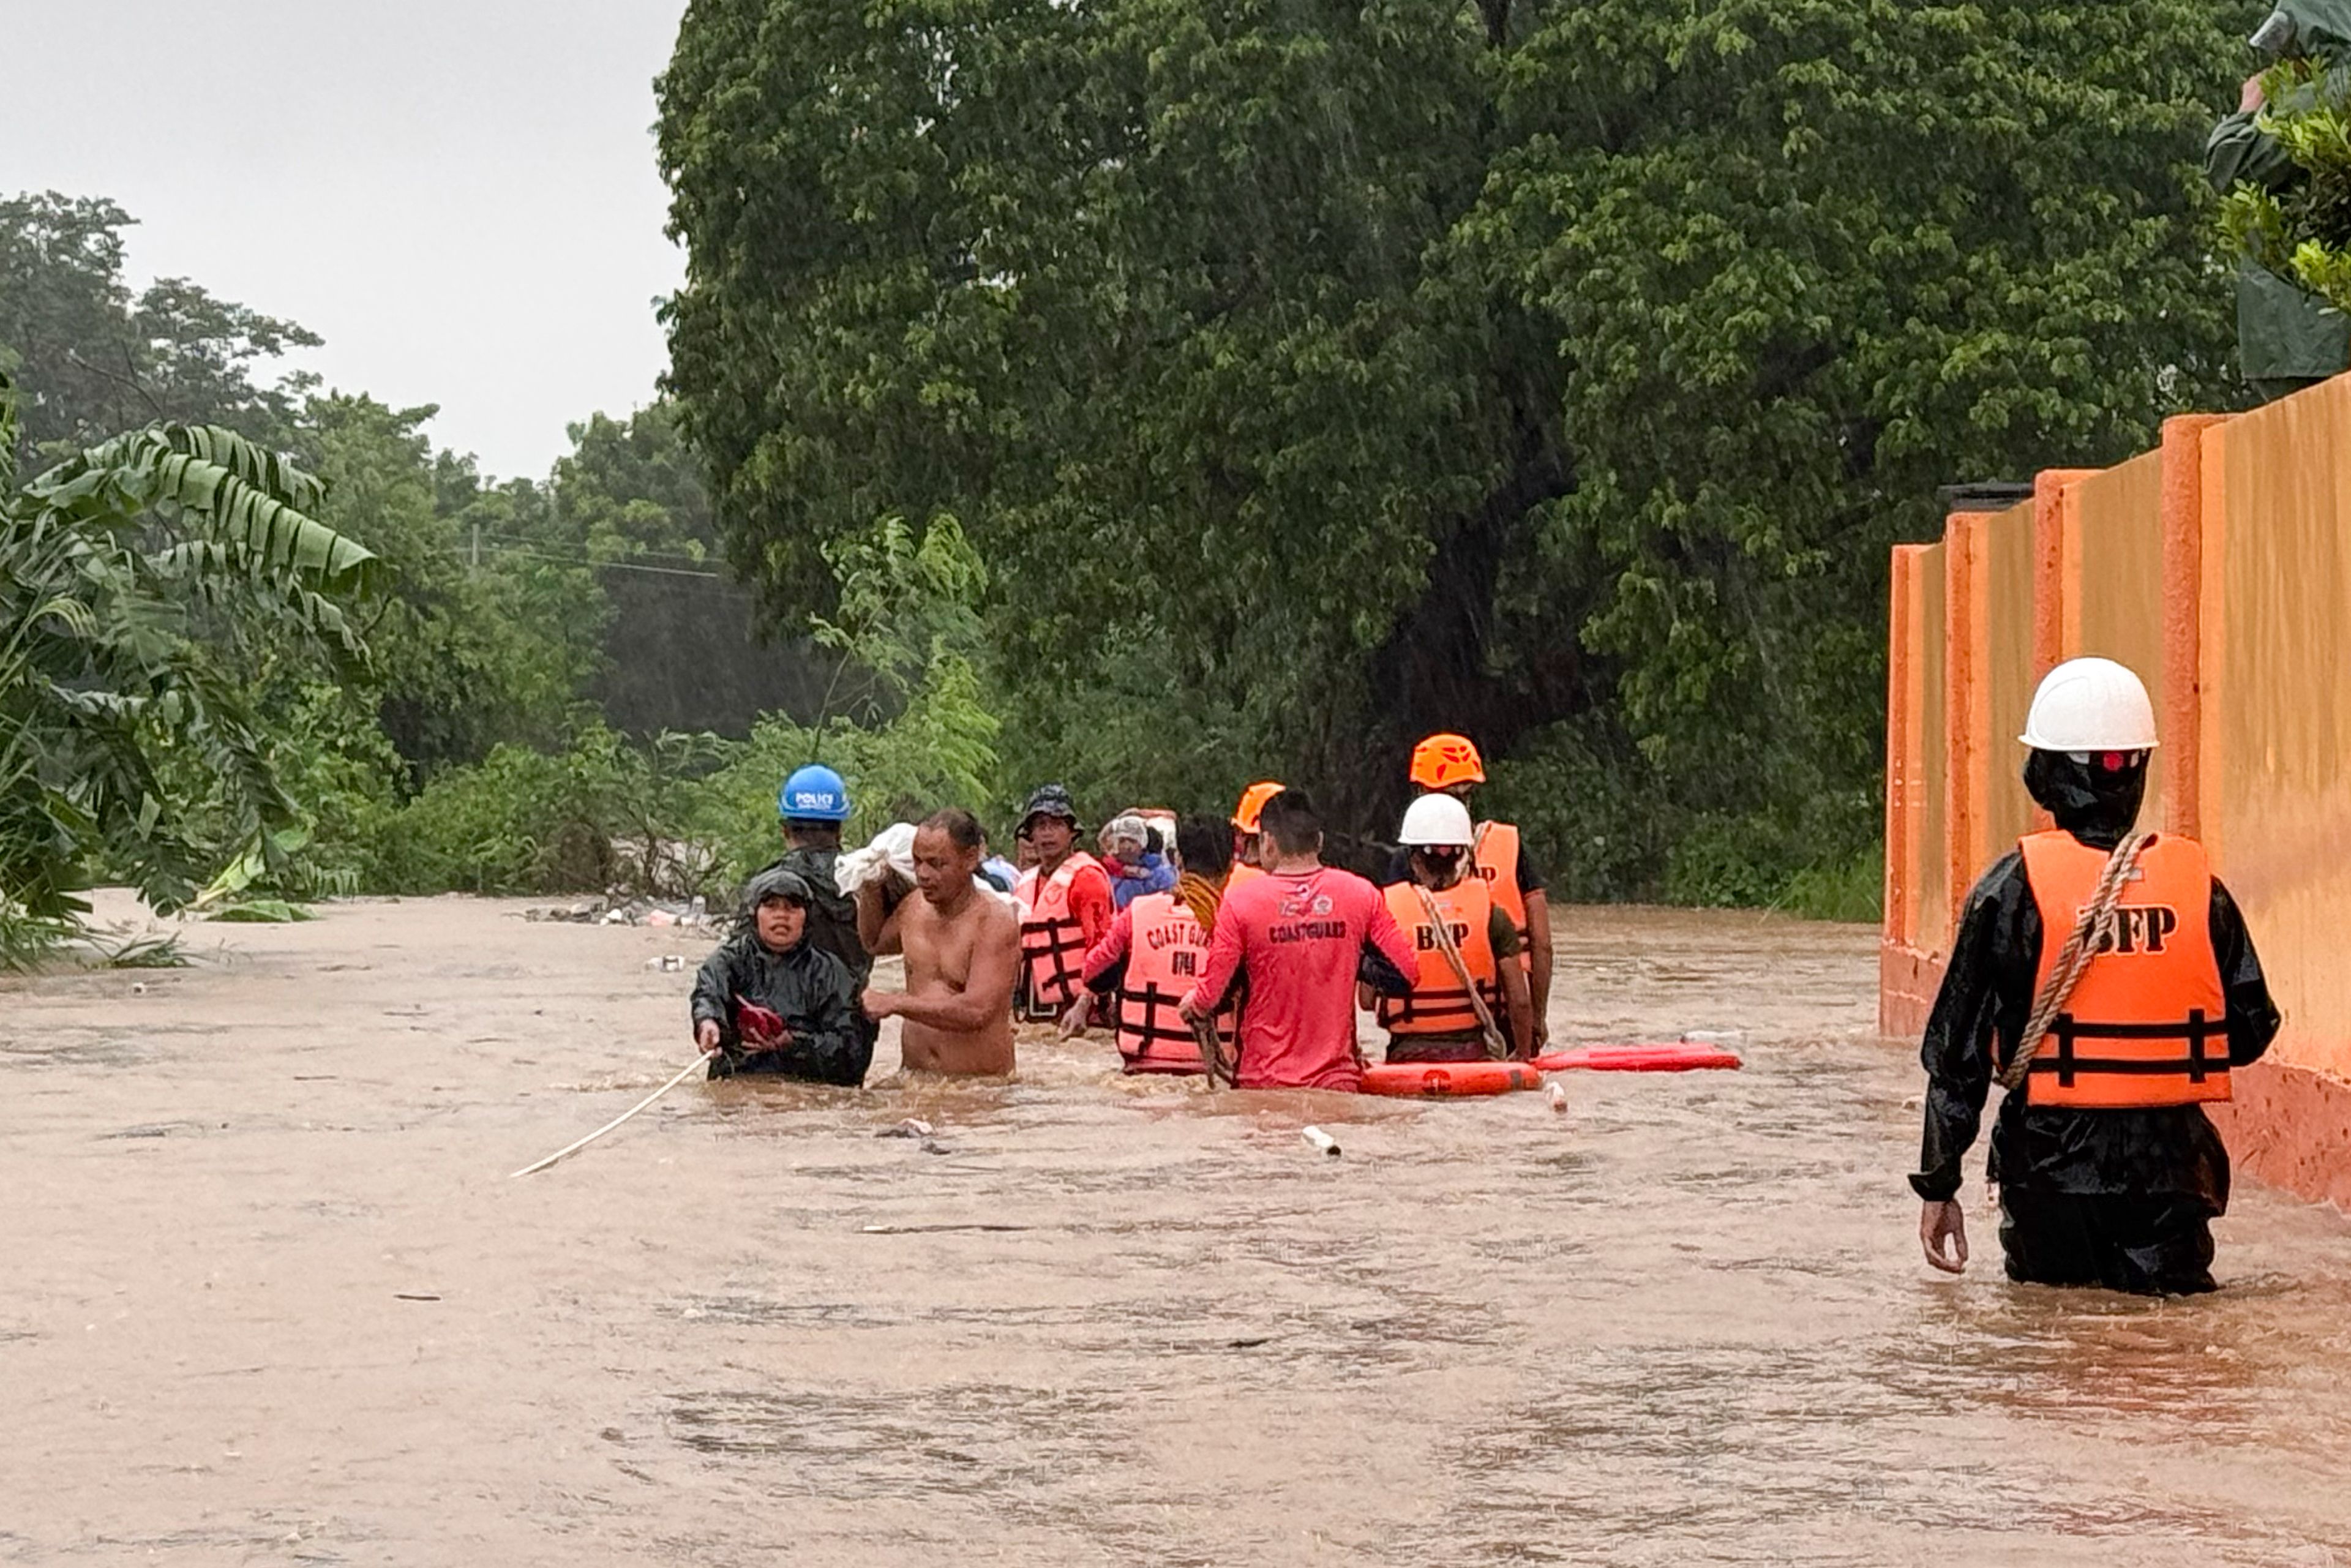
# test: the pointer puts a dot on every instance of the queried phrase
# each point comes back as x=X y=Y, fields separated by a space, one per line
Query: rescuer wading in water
x=1155 y=950
x=2109 y=1174
x=1449 y=765
x=1065 y=906
x=1301 y=933
x=1435 y=1021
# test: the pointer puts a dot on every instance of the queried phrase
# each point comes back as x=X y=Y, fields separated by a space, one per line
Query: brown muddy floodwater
x=270 y=1297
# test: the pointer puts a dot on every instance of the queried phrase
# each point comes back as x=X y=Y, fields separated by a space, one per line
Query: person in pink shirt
x=1302 y=936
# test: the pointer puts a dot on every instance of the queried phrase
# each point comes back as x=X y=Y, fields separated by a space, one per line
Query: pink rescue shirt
x=1298 y=937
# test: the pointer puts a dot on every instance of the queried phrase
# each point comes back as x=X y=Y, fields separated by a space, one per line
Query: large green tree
x=94 y=358
x=1312 y=376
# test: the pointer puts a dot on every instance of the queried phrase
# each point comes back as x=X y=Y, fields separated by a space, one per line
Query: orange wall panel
x=2009 y=675
x=2277 y=665
x=2114 y=599
x=1932 y=895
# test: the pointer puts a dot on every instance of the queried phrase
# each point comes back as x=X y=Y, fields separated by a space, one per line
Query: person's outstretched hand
x=1943 y=1234
x=706 y=1035
x=1079 y=1014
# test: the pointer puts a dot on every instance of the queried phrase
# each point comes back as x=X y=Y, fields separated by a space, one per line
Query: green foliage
x=1853 y=891
x=1313 y=378
x=920 y=733
x=1588 y=804
x=149 y=952
x=469 y=652
x=136 y=577
x=2300 y=228
x=520 y=821
x=94 y=358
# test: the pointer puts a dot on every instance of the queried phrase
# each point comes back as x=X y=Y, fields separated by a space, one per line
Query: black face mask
x=2091 y=801
x=1441 y=863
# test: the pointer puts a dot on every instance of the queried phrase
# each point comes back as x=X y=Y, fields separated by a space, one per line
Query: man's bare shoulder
x=990 y=915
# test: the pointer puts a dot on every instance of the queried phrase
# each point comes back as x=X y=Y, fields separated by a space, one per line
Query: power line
x=593 y=564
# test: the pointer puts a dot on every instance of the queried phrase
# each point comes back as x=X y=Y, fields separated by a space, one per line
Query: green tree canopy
x=93 y=358
x=1314 y=376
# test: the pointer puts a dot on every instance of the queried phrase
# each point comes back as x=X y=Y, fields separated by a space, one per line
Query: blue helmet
x=813 y=794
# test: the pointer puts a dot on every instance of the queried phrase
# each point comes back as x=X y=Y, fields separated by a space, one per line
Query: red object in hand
x=757 y=1025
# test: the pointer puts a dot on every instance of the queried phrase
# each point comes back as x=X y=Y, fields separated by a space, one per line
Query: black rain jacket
x=812 y=990
x=1987 y=995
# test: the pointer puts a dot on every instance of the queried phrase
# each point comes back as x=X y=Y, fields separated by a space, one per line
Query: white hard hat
x=2090 y=705
x=1437 y=820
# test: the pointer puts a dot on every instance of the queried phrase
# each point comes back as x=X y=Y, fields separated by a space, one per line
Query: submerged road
x=270 y=1297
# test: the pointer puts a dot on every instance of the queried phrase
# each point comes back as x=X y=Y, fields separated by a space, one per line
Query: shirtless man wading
x=962 y=949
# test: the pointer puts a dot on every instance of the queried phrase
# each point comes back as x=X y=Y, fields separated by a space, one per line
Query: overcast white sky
x=459 y=196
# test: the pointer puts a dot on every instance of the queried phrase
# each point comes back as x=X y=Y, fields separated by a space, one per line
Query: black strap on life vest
x=2199 y=1064
x=1420 y=1004
x=1162 y=1023
x=1064 y=940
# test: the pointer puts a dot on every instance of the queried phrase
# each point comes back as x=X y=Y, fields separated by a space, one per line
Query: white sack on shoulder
x=892 y=848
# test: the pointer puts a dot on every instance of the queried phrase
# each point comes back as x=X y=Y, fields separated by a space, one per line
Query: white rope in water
x=567 y=1150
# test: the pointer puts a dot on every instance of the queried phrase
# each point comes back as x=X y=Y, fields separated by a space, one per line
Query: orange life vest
x=1053 y=942
x=2147 y=1025
x=1495 y=854
x=1165 y=956
x=1438 y=1004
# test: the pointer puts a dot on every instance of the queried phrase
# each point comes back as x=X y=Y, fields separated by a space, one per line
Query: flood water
x=271 y=1298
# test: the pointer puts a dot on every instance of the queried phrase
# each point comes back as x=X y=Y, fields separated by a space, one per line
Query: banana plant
x=136 y=578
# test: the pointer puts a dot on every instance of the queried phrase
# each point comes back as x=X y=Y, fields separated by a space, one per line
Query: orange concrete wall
x=2010 y=674
x=2278 y=693
x=2113 y=587
x=2218 y=567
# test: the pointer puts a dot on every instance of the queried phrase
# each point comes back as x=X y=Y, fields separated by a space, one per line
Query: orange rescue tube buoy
x=1676 y=1056
x=1449 y=1080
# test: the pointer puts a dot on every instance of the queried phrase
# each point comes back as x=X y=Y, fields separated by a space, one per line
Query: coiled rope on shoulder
x=2075 y=959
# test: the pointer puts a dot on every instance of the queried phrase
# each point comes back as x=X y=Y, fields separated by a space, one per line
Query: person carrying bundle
x=1155 y=950
x=2106 y=977
x=769 y=1000
x=1468 y=1000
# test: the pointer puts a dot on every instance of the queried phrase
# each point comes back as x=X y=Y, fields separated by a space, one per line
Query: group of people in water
x=2105 y=975
x=1223 y=946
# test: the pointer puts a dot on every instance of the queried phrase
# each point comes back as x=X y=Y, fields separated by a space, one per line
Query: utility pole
x=478 y=546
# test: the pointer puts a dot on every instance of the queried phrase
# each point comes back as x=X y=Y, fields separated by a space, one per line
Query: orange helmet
x=1444 y=760
x=1253 y=800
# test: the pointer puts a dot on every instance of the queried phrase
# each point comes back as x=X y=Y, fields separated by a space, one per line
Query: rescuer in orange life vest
x=1155 y=952
x=1449 y=765
x=1248 y=844
x=2108 y=1172
x=1436 y=1020
x=1065 y=902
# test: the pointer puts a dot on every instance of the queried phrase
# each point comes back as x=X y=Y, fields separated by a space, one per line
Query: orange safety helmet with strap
x=1164 y=959
x=1437 y=1004
x=1053 y=942
x=1444 y=760
x=1495 y=857
x=1245 y=823
x=2148 y=1023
